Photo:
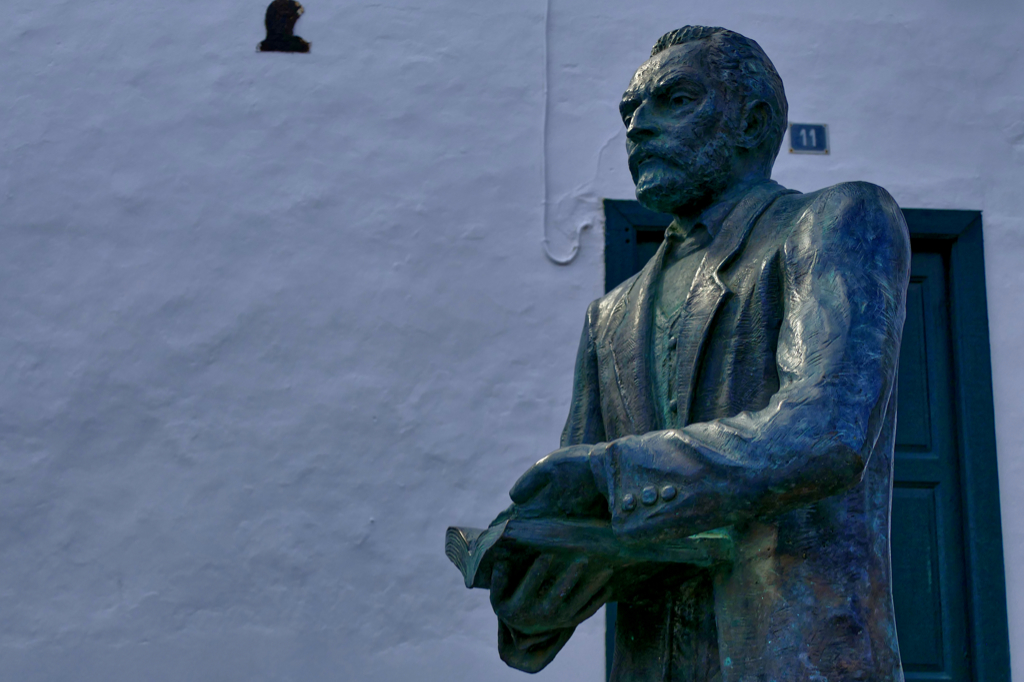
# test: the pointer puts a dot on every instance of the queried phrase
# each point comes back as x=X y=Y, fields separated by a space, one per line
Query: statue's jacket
x=784 y=434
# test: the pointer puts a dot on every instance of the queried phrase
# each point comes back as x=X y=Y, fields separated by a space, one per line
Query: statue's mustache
x=640 y=155
x=689 y=156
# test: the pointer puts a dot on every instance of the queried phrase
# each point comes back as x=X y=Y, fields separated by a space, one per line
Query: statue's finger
x=499 y=582
x=585 y=593
x=529 y=484
x=595 y=603
x=567 y=581
x=530 y=585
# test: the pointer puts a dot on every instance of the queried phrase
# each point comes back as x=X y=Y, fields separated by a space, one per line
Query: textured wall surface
x=269 y=323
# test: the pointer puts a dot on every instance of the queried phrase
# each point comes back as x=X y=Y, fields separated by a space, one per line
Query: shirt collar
x=712 y=217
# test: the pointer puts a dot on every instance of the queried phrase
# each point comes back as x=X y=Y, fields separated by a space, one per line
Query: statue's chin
x=669 y=197
x=651 y=201
x=677 y=192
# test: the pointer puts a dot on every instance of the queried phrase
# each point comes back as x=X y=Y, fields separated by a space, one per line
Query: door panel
x=916 y=572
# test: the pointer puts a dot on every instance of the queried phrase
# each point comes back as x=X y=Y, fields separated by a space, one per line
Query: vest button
x=668 y=492
x=649 y=495
x=628 y=502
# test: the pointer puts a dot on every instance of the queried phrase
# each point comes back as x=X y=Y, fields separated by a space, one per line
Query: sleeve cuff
x=601 y=468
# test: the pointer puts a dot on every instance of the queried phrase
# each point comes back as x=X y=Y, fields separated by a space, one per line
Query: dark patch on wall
x=280 y=22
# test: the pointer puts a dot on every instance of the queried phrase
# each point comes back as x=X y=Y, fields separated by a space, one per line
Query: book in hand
x=474 y=551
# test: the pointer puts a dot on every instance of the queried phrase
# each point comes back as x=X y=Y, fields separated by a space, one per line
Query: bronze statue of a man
x=744 y=379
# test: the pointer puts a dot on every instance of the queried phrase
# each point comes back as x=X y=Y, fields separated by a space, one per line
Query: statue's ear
x=754 y=125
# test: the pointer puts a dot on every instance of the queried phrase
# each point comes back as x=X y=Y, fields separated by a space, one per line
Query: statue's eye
x=679 y=99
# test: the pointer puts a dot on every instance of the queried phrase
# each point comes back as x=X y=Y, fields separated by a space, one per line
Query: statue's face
x=677 y=134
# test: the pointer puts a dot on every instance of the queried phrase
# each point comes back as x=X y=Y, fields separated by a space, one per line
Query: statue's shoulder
x=611 y=304
x=847 y=209
x=842 y=198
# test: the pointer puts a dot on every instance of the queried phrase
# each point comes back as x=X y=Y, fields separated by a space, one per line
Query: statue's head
x=706 y=112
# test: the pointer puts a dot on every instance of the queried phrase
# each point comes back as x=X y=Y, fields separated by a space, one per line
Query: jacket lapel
x=631 y=342
x=709 y=291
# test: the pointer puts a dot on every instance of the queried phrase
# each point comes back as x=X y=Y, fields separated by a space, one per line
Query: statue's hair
x=744 y=69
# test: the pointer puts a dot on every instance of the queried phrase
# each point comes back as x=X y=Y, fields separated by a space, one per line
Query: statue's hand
x=562 y=484
x=555 y=593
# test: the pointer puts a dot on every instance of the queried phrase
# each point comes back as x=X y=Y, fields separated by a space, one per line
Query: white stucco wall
x=270 y=323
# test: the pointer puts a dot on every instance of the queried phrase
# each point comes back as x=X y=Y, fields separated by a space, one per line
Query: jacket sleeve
x=846 y=269
x=585 y=425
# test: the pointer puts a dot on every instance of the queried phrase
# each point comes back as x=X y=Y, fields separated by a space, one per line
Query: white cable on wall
x=577 y=237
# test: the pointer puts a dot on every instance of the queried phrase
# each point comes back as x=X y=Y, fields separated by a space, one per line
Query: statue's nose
x=641 y=126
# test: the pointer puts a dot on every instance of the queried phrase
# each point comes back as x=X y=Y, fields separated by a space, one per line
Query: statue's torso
x=809 y=596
